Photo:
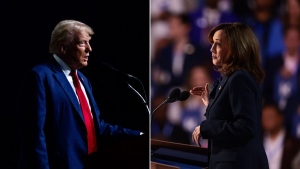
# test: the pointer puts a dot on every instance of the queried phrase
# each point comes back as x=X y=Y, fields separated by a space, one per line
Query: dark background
x=121 y=39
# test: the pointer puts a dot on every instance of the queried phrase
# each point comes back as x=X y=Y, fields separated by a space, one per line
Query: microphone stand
x=140 y=96
x=158 y=108
x=164 y=102
x=173 y=96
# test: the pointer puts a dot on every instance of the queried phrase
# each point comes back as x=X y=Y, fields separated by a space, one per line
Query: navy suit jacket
x=233 y=124
x=52 y=129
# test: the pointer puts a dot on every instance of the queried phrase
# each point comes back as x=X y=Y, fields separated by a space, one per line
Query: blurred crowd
x=180 y=57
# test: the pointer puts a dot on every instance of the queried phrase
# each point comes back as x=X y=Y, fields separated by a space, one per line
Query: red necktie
x=88 y=119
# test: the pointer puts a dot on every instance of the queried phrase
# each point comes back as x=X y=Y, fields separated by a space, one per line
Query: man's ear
x=62 y=48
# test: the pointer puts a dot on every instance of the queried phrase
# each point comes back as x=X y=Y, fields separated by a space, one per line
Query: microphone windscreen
x=109 y=69
x=174 y=93
x=184 y=95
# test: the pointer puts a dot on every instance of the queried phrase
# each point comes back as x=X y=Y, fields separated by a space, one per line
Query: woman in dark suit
x=234 y=104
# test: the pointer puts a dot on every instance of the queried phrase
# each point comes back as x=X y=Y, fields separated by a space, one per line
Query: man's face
x=77 y=53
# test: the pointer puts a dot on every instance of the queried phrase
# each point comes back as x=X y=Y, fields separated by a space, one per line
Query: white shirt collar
x=65 y=68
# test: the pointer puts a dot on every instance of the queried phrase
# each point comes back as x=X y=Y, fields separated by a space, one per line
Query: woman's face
x=219 y=48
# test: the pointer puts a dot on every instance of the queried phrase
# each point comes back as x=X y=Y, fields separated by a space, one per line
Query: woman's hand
x=196 y=136
x=202 y=92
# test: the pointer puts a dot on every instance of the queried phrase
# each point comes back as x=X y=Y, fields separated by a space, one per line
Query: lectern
x=128 y=152
x=171 y=155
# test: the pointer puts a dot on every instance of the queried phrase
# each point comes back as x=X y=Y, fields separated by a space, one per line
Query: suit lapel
x=61 y=79
x=65 y=85
x=218 y=89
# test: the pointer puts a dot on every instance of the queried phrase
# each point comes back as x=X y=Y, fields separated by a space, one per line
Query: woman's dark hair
x=243 y=51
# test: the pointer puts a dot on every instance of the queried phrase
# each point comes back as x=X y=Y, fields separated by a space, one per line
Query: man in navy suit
x=53 y=134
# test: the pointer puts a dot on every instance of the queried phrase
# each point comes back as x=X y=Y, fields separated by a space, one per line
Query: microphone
x=184 y=95
x=107 y=67
x=173 y=96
